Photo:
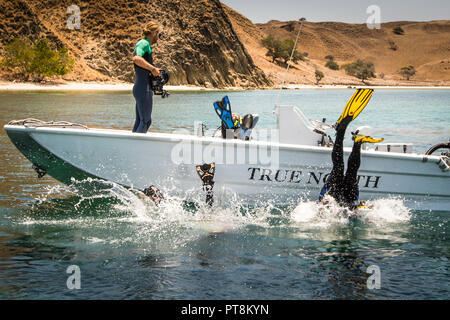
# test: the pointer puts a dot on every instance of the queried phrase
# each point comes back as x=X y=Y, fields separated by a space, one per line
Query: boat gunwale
x=176 y=137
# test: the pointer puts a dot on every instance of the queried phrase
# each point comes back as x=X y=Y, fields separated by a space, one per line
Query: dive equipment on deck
x=245 y=129
x=233 y=126
x=223 y=110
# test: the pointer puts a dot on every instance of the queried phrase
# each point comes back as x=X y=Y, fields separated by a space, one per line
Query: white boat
x=291 y=165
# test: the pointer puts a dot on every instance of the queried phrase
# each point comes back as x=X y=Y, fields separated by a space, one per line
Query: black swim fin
x=206 y=174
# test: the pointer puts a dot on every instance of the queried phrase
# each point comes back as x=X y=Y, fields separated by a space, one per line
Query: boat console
x=295 y=128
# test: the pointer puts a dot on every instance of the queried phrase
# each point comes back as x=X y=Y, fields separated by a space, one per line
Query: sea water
x=127 y=248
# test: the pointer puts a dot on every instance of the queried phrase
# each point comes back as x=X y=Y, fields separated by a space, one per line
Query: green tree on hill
x=289 y=26
x=277 y=49
x=407 y=71
x=332 y=65
x=319 y=76
x=38 y=60
x=360 y=69
x=287 y=47
x=274 y=47
x=19 y=54
x=50 y=62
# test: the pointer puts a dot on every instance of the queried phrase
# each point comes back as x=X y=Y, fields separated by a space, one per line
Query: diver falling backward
x=205 y=172
x=344 y=187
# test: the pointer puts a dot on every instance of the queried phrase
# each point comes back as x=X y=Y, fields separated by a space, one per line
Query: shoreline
x=100 y=86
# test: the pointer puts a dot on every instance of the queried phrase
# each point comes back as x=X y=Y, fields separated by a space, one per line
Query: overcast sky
x=352 y=11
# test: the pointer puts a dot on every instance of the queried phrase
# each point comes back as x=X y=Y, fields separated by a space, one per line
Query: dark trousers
x=144 y=106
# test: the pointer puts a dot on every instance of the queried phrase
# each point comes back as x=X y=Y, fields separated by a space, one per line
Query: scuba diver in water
x=205 y=172
x=143 y=66
x=344 y=188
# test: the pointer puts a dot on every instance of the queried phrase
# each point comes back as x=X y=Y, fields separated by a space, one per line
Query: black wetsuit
x=343 y=188
x=141 y=89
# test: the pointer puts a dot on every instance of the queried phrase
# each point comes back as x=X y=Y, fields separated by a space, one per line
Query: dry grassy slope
x=200 y=48
x=426 y=45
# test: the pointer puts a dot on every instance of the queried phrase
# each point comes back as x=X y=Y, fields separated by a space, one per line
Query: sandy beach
x=83 y=86
x=100 y=86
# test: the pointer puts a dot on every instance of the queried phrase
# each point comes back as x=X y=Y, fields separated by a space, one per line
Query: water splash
x=99 y=203
x=382 y=212
x=112 y=214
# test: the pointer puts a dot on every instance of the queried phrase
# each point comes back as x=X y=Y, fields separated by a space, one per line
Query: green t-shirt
x=142 y=47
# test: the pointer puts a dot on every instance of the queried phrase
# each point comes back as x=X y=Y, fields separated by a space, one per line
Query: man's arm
x=141 y=62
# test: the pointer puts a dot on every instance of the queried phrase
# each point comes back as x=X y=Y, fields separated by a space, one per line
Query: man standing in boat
x=344 y=188
x=143 y=66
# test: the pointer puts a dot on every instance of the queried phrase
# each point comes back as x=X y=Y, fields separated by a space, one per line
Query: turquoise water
x=126 y=248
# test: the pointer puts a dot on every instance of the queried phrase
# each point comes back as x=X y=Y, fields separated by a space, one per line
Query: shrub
x=398 y=30
x=287 y=47
x=360 y=69
x=39 y=59
x=289 y=26
x=392 y=45
x=319 y=76
x=329 y=57
x=332 y=65
x=273 y=46
x=407 y=71
x=277 y=49
x=50 y=62
x=19 y=54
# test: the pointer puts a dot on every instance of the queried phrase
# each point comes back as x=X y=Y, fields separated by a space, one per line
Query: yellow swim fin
x=362 y=206
x=362 y=139
x=356 y=104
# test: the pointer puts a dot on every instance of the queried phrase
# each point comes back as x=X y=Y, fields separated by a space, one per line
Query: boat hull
x=253 y=172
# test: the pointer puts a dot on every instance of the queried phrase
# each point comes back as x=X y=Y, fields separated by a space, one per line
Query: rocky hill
x=209 y=44
x=200 y=46
x=425 y=45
